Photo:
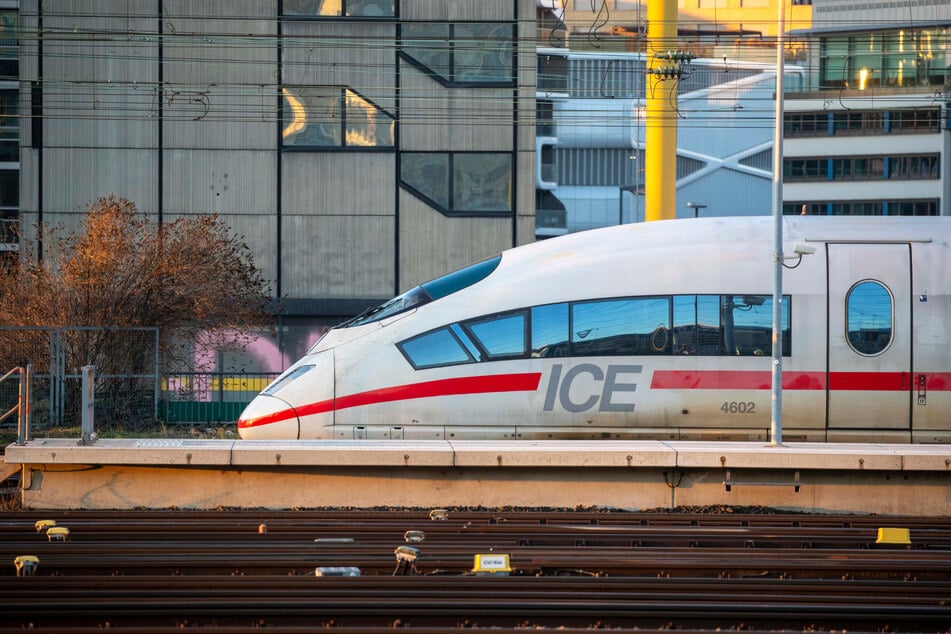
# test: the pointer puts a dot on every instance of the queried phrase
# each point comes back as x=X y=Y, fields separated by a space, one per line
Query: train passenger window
x=435 y=348
x=550 y=331
x=630 y=326
x=869 y=318
x=695 y=324
x=499 y=335
x=746 y=324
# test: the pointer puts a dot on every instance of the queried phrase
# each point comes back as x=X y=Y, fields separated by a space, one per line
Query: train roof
x=665 y=234
x=705 y=255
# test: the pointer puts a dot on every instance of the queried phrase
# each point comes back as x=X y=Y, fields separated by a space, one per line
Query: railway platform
x=887 y=479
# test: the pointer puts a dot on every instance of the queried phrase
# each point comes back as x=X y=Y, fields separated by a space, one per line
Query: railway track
x=241 y=570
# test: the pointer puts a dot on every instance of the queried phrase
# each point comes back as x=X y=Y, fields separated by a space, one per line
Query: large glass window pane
x=834 y=63
x=428 y=174
x=899 y=59
x=312 y=116
x=550 y=330
x=500 y=335
x=685 y=329
x=428 y=45
x=436 y=348
x=866 y=60
x=553 y=73
x=747 y=325
x=371 y=8
x=9 y=45
x=483 y=53
x=482 y=182
x=338 y=8
x=934 y=47
x=9 y=126
x=621 y=327
x=9 y=188
x=709 y=335
x=313 y=7
x=367 y=125
x=869 y=318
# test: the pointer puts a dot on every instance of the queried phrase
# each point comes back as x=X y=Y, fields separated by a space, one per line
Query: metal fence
x=130 y=392
x=127 y=371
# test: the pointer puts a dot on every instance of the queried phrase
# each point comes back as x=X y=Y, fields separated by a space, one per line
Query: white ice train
x=660 y=330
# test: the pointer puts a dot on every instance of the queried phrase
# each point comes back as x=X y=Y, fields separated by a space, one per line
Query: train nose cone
x=268 y=417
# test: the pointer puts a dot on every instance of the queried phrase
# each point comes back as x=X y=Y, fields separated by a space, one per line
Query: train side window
x=629 y=326
x=550 y=331
x=869 y=321
x=434 y=349
x=746 y=325
x=697 y=325
x=500 y=336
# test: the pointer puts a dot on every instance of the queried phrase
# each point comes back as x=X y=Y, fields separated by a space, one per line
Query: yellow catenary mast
x=660 y=172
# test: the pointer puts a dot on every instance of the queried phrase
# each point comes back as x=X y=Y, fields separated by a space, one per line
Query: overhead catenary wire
x=96 y=69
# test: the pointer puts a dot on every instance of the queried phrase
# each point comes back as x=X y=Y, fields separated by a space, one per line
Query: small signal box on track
x=894 y=536
x=492 y=564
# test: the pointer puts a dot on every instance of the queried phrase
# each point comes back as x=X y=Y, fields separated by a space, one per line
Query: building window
x=856 y=208
x=911 y=121
x=339 y=8
x=927 y=207
x=858 y=168
x=315 y=117
x=908 y=57
x=805 y=169
x=460 y=183
x=9 y=126
x=858 y=122
x=806 y=124
x=869 y=318
x=863 y=168
x=462 y=53
x=804 y=209
x=545 y=118
x=913 y=167
x=9 y=45
x=9 y=205
x=920 y=207
x=552 y=73
x=548 y=165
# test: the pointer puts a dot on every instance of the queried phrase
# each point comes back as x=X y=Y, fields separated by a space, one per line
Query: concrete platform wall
x=128 y=474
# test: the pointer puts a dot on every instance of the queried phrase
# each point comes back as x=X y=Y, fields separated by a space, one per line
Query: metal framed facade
x=182 y=107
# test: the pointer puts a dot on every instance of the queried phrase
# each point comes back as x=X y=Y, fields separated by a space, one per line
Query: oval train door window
x=869 y=312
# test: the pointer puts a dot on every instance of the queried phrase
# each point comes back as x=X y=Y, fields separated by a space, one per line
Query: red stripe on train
x=490 y=384
x=762 y=380
x=661 y=380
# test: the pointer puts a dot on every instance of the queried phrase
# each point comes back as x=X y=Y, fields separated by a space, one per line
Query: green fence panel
x=198 y=412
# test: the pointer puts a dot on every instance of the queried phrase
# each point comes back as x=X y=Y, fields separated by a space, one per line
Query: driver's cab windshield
x=425 y=293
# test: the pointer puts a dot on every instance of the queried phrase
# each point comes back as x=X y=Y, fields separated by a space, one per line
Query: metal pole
x=660 y=192
x=28 y=401
x=89 y=404
x=776 y=409
x=21 y=409
x=157 y=381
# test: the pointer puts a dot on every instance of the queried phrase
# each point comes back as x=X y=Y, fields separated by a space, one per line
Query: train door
x=869 y=337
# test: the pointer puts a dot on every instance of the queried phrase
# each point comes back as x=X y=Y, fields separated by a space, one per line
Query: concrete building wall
x=181 y=108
